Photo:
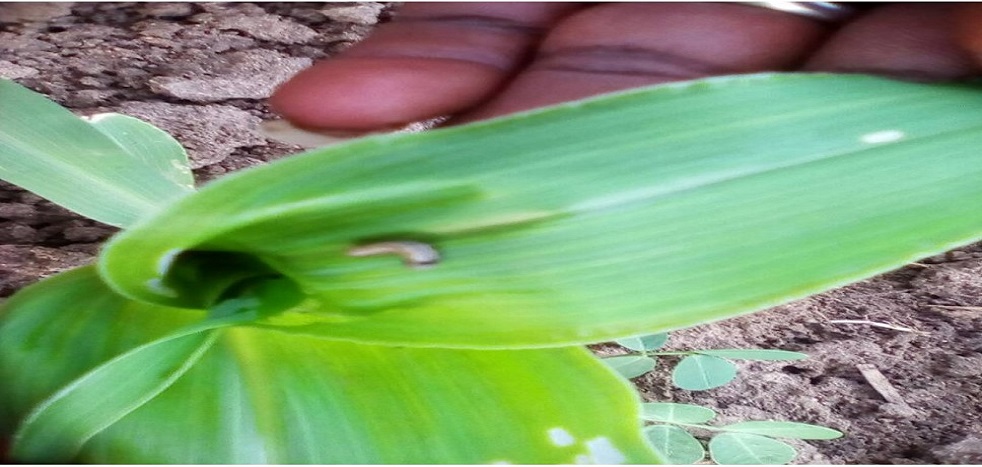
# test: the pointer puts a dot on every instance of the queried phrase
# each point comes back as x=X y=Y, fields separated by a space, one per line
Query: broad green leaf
x=779 y=429
x=55 y=331
x=56 y=429
x=644 y=343
x=674 y=444
x=83 y=167
x=747 y=449
x=294 y=399
x=630 y=366
x=259 y=396
x=754 y=354
x=701 y=372
x=676 y=413
x=634 y=213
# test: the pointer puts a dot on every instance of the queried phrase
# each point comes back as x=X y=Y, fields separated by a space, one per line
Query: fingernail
x=284 y=131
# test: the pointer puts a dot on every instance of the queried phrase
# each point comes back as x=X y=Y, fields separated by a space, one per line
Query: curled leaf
x=627 y=214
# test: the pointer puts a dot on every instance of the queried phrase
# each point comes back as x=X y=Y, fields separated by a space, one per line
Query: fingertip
x=968 y=29
x=903 y=40
x=362 y=94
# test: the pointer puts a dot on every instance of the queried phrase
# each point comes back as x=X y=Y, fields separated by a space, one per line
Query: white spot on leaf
x=603 y=452
x=880 y=137
x=560 y=437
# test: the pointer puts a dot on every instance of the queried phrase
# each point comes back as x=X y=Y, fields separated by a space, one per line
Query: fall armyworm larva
x=413 y=254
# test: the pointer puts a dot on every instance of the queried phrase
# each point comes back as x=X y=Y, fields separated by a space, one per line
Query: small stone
x=239 y=75
x=22 y=44
x=966 y=451
x=306 y=14
x=957 y=255
x=86 y=67
x=131 y=73
x=85 y=37
x=161 y=42
x=12 y=70
x=31 y=12
x=210 y=133
x=92 y=98
x=159 y=29
x=17 y=211
x=87 y=234
x=956 y=281
x=27 y=197
x=167 y=9
x=90 y=81
x=22 y=264
x=898 y=410
x=267 y=28
x=361 y=13
x=964 y=367
x=17 y=233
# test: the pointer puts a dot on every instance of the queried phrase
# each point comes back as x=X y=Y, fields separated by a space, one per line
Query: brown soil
x=202 y=71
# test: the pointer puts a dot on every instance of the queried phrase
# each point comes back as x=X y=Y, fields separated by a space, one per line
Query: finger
x=433 y=59
x=968 y=30
x=617 y=46
x=905 y=40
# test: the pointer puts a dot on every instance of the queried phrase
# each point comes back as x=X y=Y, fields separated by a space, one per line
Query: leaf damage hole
x=884 y=136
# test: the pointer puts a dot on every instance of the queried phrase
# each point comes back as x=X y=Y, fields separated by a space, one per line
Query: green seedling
x=280 y=314
x=697 y=370
x=740 y=443
x=749 y=442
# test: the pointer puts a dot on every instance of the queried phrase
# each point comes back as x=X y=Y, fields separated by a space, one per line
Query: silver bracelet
x=831 y=12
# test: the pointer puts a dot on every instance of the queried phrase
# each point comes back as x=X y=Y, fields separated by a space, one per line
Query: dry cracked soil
x=201 y=71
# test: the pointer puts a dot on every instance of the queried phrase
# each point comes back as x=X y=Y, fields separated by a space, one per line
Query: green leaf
x=113 y=170
x=779 y=429
x=676 y=413
x=55 y=331
x=644 y=343
x=674 y=444
x=754 y=354
x=144 y=142
x=315 y=401
x=58 y=428
x=597 y=219
x=630 y=366
x=258 y=396
x=701 y=372
x=745 y=449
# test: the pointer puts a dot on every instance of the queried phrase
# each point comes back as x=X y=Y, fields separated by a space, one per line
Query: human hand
x=479 y=60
